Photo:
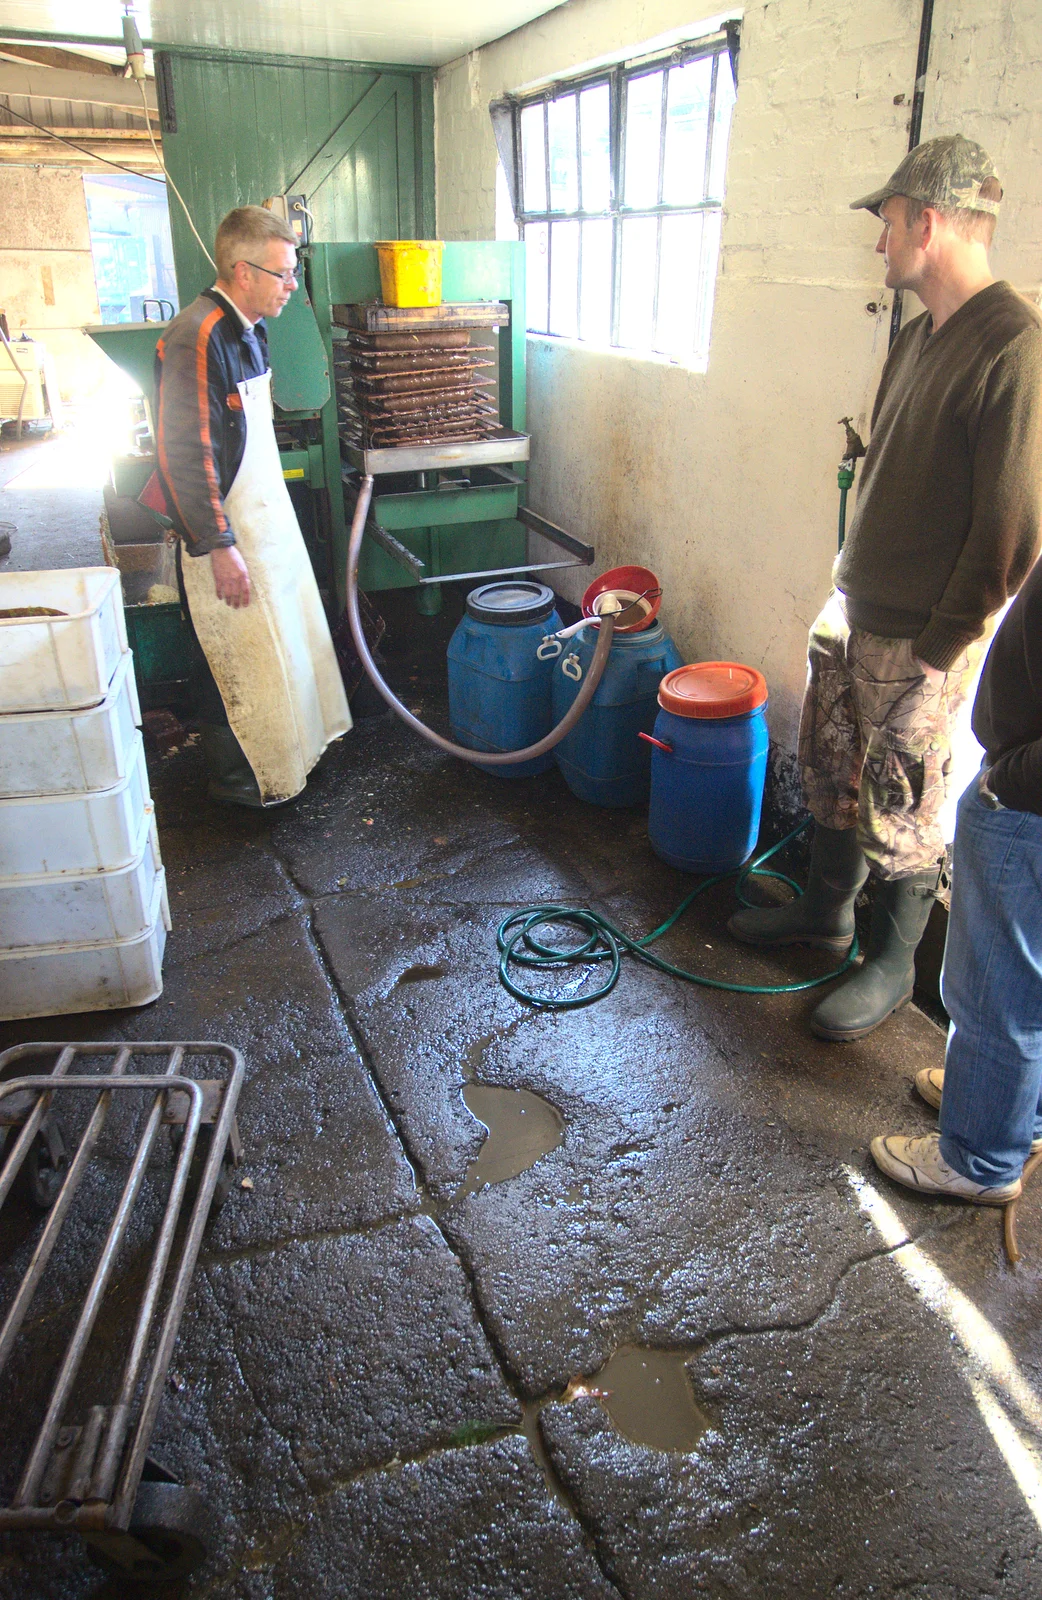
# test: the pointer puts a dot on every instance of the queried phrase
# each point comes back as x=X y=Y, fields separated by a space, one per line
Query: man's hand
x=986 y=792
x=933 y=675
x=230 y=577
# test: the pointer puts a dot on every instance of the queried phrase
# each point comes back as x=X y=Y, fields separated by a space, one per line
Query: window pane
x=596 y=149
x=595 y=294
x=564 y=279
x=643 y=135
x=533 y=159
x=637 y=296
x=537 y=260
x=687 y=124
x=560 y=129
x=721 y=126
x=679 y=298
x=710 y=261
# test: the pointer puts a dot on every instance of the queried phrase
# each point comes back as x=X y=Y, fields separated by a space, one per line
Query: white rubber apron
x=273 y=660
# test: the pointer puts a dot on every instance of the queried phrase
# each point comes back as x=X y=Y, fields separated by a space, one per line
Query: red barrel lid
x=712 y=689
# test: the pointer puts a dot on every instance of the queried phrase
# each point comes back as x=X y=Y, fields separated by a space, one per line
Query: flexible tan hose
x=480 y=758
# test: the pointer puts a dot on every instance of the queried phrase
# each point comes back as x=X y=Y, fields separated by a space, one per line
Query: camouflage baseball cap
x=946 y=172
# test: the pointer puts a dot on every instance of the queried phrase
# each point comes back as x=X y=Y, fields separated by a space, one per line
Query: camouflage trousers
x=875 y=741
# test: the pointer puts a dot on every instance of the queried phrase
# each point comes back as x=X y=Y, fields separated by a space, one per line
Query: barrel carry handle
x=668 y=748
x=549 y=649
x=571 y=666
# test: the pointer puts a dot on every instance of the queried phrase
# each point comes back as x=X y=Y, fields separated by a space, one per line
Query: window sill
x=696 y=366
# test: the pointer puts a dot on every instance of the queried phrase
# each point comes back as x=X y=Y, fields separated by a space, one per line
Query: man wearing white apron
x=273 y=697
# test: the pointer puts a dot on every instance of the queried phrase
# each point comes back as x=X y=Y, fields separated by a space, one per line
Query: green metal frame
x=482 y=502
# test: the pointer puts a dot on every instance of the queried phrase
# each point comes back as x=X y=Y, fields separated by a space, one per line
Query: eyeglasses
x=288 y=278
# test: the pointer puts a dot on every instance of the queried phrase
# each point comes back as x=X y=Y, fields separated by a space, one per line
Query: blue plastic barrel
x=603 y=760
x=499 y=689
x=707 y=784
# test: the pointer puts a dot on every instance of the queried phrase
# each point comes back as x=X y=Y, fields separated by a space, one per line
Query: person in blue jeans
x=989 y=1091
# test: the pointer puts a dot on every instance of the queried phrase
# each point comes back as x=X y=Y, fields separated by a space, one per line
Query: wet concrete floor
x=669 y=1344
x=50 y=500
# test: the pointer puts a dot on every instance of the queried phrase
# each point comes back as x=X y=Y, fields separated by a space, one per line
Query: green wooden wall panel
x=407 y=164
x=246 y=129
x=262 y=115
x=423 y=144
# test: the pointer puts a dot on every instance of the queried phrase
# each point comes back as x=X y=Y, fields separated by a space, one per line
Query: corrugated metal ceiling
x=413 y=32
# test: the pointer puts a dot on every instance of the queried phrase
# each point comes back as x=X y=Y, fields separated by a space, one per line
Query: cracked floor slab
x=842 y=1459
x=322 y=1155
x=675 y=1204
x=331 y=1335
x=475 y=1523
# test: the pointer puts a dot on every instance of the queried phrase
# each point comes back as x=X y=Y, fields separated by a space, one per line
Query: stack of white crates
x=83 y=906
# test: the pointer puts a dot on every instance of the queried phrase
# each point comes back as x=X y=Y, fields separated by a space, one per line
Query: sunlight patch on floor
x=994 y=1376
x=80 y=456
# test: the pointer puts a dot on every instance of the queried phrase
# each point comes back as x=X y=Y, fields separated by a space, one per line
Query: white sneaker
x=929 y=1085
x=918 y=1164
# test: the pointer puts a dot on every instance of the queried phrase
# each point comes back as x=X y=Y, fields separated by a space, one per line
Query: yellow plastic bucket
x=410 y=271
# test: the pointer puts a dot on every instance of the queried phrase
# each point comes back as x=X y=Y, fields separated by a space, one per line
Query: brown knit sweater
x=949 y=512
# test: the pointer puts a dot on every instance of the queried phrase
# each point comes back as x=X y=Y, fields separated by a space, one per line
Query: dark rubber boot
x=885 y=980
x=823 y=916
x=232 y=782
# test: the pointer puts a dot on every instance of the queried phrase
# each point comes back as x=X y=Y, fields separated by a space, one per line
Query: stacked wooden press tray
x=416 y=376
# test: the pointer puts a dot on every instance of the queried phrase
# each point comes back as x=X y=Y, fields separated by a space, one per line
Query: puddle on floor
x=648 y=1396
x=474 y=1055
x=522 y=1126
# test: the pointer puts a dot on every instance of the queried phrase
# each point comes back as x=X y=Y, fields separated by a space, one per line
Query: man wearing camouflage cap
x=947 y=526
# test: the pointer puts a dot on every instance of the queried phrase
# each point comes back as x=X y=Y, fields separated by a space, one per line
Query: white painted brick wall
x=725 y=482
x=985 y=80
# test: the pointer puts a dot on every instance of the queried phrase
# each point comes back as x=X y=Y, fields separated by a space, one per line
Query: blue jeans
x=992 y=990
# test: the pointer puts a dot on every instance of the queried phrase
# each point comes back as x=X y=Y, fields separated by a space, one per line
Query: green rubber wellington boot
x=231 y=777
x=823 y=916
x=885 y=980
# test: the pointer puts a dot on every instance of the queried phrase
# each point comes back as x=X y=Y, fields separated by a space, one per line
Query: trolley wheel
x=43 y=1170
x=200 y=1156
x=162 y=1544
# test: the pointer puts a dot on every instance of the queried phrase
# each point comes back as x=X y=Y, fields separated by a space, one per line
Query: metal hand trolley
x=95 y=1477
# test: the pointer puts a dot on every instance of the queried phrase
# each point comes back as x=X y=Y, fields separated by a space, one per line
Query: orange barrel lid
x=712 y=689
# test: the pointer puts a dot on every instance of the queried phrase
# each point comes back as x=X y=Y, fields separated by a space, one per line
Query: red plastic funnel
x=638 y=592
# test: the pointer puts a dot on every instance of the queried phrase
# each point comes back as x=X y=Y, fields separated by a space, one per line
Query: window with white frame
x=618 y=188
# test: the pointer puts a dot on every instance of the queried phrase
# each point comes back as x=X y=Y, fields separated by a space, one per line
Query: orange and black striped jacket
x=200 y=430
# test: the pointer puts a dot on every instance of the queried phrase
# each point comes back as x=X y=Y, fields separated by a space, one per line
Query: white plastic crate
x=68 y=752
x=83 y=908
x=51 y=833
x=49 y=662
x=57 y=979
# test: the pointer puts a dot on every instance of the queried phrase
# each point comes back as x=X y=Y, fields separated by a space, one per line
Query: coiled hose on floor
x=517 y=942
x=479 y=758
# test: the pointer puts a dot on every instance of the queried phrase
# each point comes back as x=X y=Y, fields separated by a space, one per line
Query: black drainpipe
x=915 y=128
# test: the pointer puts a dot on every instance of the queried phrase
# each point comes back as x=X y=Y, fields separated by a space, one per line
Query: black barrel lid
x=511 y=604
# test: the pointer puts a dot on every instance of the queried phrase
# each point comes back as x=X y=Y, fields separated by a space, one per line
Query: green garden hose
x=517 y=942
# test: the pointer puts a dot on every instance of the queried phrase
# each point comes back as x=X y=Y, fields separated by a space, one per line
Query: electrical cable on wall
x=915 y=129
x=136 y=62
